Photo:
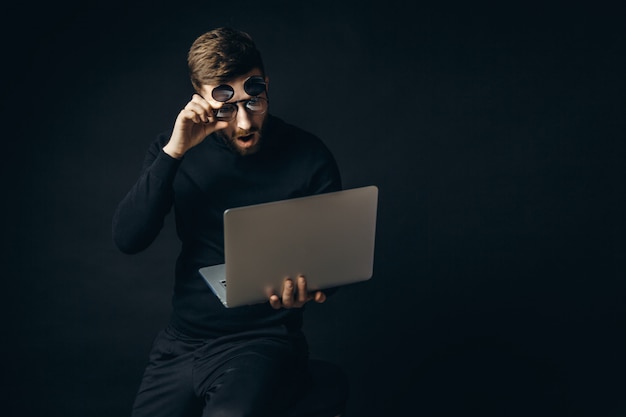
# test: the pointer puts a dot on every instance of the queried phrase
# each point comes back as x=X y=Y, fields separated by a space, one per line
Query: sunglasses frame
x=235 y=106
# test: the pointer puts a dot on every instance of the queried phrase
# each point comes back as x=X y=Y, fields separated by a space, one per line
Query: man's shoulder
x=287 y=133
x=278 y=125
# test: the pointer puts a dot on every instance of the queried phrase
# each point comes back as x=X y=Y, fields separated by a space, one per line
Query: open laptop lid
x=329 y=238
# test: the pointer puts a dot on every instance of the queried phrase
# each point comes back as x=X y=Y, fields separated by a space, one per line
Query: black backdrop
x=495 y=135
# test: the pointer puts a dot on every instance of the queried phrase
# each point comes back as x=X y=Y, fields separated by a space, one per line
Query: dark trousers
x=255 y=373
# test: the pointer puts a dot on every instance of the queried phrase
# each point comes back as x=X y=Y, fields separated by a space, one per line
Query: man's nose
x=243 y=118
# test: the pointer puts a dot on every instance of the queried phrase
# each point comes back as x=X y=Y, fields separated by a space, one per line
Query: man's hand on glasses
x=194 y=123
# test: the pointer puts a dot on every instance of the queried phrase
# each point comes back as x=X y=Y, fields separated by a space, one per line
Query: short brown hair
x=222 y=54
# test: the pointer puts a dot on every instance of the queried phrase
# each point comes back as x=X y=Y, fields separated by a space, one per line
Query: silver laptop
x=328 y=238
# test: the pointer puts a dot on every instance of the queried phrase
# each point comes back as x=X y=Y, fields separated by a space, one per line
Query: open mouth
x=246 y=138
x=247 y=143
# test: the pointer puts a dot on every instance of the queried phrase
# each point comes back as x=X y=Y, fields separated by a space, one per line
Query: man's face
x=244 y=132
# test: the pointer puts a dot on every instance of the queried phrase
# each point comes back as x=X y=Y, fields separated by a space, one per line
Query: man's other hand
x=295 y=296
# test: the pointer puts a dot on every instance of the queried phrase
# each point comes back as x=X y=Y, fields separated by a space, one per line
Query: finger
x=320 y=297
x=220 y=124
x=200 y=113
x=188 y=114
x=200 y=101
x=302 y=292
x=275 y=302
x=207 y=107
x=288 y=291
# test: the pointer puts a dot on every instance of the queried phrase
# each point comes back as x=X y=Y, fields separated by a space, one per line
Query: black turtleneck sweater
x=208 y=180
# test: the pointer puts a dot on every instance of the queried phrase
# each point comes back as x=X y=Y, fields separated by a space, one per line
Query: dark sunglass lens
x=226 y=112
x=223 y=93
x=254 y=86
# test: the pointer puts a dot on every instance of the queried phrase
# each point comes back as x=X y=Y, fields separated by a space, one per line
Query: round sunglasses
x=253 y=86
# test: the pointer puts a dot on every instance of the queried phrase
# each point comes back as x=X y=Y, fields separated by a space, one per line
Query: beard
x=243 y=142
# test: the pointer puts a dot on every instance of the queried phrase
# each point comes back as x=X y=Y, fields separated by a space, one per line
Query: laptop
x=329 y=238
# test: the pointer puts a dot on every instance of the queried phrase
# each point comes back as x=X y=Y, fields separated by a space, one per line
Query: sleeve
x=140 y=215
x=326 y=178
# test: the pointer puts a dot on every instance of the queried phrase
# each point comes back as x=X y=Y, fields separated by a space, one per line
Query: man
x=225 y=150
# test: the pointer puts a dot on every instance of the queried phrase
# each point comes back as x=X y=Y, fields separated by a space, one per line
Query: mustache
x=245 y=132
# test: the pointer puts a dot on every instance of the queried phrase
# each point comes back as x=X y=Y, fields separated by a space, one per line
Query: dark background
x=494 y=133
